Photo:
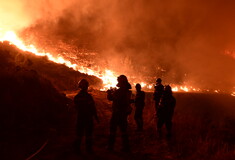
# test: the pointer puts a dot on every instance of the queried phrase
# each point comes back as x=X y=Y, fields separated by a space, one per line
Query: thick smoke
x=180 y=40
x=12 y=15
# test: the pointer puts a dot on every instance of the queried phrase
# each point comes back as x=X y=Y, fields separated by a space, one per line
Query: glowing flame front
x=108 y=77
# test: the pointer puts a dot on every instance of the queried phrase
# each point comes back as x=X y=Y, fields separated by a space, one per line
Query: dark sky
x=185 y=38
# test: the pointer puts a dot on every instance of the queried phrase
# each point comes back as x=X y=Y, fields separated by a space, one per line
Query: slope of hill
x=34 y=113
x=62 y=77
x=30 y=102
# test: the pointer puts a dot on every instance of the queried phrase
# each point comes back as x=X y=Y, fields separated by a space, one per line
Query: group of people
x=121 y=108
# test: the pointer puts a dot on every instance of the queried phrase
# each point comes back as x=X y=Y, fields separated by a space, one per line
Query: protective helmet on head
x=159 y=80
x=83 y=84
x=123 y=82
x=138 y=86
x=167 y=89
x=122 y=78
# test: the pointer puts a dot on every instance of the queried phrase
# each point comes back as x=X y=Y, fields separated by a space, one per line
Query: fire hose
x=39 y=150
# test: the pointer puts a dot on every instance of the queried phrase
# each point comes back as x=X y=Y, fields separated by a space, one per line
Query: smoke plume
x=181 y=41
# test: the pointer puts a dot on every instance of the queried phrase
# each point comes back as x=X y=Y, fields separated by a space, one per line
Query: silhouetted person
x=86 y=112
x=159 y=88
x=139 y=106
x=166 y=110
x=121 y=98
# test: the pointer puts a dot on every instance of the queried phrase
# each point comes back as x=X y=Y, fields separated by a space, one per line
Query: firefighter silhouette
x=159 y=88
x=139 y=106
x=166 y=110
x=86 y=112
x=121 y=98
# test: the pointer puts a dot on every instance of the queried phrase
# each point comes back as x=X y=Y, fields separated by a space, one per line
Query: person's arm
x=143 y=98
x=110 y=95
x=174 y=102
x=95 y=115
x=154 y=95
x=132 y=100
x=76 y=102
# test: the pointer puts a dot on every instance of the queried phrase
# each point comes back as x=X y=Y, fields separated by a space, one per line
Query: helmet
x=159 y=80
x=122 y=78
x=123 y=82
x=83 y=84
x=167 y=89
x=138 y=86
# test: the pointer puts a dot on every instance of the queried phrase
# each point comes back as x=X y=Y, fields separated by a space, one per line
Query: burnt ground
x=203 y=129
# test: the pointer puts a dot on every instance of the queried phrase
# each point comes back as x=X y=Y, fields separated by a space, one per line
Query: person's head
x=123 y=82
x=83 y=84
x=138 y=87
x=167 y=90
x=159 y=80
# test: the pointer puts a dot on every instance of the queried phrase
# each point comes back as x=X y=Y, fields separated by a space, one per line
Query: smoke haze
x=180 y=40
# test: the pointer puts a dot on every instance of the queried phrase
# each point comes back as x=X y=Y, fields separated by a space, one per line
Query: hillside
x=32 y=105
x=35 y=114
x=62 y=77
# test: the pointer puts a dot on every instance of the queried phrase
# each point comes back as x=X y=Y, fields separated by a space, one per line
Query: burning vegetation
x=171 y=40
x=48 y=47
x=85 y=62
x=62 y=77
x=30 y=88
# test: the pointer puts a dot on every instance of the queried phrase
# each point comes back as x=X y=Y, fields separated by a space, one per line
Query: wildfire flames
x=108 y=77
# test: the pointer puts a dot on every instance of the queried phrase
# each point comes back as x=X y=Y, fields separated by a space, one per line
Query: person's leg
x=80 y=134
x=169 y=127
x=113 y=130
x=160 y=122
x=137 y=119
x=89 y=138
x=125 y=138
x=141 y=121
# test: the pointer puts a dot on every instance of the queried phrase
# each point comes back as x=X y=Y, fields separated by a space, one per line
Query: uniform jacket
x=85 y=106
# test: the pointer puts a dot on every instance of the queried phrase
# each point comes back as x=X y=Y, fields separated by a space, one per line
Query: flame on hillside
x=108 y=77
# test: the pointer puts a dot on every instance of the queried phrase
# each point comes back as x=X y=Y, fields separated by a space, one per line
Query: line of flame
x=108 y=77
